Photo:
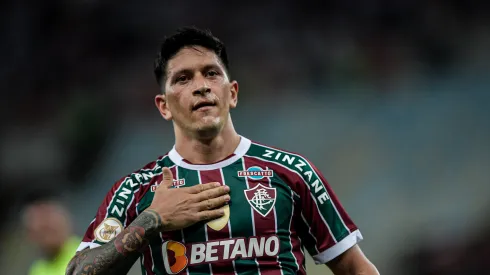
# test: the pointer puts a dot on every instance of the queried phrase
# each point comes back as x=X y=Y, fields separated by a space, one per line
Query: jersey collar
x=240 y=151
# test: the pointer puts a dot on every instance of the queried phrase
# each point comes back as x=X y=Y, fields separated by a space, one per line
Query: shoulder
x=128 y=190
x=296 y=168
x=288 y=163
x=287 y=159
x=143 y=175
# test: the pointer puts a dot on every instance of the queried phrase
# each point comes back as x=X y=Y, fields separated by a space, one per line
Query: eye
x=181 y=78
x=212 y=73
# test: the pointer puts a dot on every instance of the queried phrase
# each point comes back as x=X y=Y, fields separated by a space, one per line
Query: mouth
x=203 y=105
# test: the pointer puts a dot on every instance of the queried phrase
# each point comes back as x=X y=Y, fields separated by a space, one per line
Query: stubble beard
x=209 y=128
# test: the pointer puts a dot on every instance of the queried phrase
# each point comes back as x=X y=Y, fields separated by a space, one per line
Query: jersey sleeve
x=325 y=228
x=113 y=215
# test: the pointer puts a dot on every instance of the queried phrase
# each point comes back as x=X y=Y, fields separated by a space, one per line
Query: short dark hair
x=187 y=36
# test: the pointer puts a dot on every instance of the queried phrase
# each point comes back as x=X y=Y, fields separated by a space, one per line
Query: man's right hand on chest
x=179 y=208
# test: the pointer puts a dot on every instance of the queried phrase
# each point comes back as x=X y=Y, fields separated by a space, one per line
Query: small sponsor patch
x=178 y=183
x=256 y=173
x=175 y=183
x=108 y=229
x=221 y=222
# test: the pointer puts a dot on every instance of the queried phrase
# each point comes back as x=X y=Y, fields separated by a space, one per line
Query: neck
x=209 y=150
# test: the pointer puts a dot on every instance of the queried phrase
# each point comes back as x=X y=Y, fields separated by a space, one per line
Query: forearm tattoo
x=133 y=238
x=118 y=255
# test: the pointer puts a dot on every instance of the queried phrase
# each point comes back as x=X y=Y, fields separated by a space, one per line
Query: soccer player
x=48 y=226
x=217 y=203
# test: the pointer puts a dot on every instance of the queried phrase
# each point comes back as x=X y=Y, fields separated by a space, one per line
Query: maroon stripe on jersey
x=295 y=242
x=313 y=215
x=173 y=169
x=266 y=225
x=89 y=234
x=222 y=268
x=343 y=214
x=317 y=225
x=148 y=261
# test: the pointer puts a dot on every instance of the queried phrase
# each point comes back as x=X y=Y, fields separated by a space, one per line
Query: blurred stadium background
x=390 y=99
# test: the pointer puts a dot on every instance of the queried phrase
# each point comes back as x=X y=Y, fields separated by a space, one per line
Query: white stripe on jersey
x=182 y=230
x=229 y=225
x=84 y=245
x=277 y=233
x=251 y=212
x=290 y=237
x=205 y=226
x=309 y=232
x=342 y=246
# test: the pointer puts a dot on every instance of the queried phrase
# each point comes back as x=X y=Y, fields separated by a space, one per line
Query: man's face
x=47 y=226
x=198 y=94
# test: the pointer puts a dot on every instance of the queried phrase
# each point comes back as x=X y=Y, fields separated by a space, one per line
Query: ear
x=234 y=94
x=162 y=106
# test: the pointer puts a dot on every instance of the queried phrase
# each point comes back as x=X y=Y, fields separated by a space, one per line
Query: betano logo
x=174 y=257
x=177 y=256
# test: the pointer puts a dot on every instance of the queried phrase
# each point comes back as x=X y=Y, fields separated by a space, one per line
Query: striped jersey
x=280 y=204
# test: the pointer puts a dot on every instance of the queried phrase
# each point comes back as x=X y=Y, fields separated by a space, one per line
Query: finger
x=210 y=214
x=213 y=193
x=213 y=203
x=167 y=178
x=199 y=188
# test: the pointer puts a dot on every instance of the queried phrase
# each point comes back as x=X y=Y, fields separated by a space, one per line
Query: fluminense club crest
x=261 y=198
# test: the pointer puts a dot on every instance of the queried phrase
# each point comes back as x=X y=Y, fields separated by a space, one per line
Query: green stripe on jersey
x=241 y=219
x=316 y=186
x=284 y=205
x=143 y=269
x=157 y=255
x=197 y=232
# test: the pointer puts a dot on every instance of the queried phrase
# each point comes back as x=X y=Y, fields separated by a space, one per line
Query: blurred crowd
x=389 y=98
x=463 y=255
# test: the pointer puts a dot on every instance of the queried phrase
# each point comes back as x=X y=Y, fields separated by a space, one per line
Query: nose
x=202 y=91
x=202 y=88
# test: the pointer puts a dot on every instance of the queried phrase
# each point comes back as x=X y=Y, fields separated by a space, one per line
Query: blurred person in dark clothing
x=48 y=226
x=217 y=203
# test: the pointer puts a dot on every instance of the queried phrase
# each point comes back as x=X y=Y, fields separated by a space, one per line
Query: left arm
x=328 y=232
x=352 y=262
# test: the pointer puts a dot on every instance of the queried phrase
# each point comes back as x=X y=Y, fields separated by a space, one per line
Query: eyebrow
x=181 y=71
x=211 y=66
x=189 y=71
